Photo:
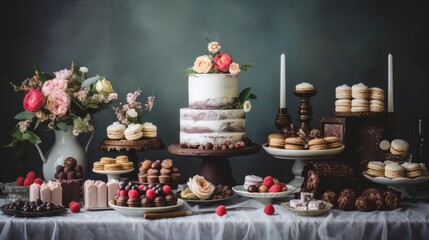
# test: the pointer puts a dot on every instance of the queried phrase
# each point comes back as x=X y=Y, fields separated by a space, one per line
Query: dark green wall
x=149 y=44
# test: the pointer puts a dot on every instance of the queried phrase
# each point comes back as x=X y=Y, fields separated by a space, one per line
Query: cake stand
x=301 y=158
x=215 y=166
x=130 y=147
x=113 y=174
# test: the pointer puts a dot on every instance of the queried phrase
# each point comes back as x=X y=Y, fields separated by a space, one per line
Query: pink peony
x=63 y=74
x=202 y=64
x=53 y=85
x=222 y=61
x=58 y=103
x=33 y=100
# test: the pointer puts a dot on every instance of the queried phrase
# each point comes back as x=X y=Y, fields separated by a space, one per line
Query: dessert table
x=411 y=221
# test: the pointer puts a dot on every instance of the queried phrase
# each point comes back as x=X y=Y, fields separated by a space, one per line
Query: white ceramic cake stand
x=301 y=158
x=113 y=174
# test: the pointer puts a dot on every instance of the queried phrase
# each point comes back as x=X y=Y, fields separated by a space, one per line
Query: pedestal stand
x=282 y=119
x=215 y=166
x=305 y=112
x=130 y=147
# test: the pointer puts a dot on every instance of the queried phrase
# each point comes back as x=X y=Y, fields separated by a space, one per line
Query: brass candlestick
x=305 y=113
x=282 y=119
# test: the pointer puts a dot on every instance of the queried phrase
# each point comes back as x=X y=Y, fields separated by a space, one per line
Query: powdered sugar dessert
x=215 y=116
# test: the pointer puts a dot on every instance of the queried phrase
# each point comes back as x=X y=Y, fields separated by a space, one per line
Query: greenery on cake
x=215 y=61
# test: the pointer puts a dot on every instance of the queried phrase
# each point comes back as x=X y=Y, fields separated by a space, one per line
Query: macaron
x=112 y=167
x=359 y=105
x=412 y=170
x=304 y=87
x=276 y=140
x=149 y=130
x=122 y=159
x=115 y=131
x=317 y=144
x=294 y=143
x=133 y=132
x=360 y=91
x=393 y=170
x=343 y=92
x=333 y=142
x=376 y=93
x=107 y=160
x=375 y=169
x=399 y=147
x=376 y=106
x=98 y=165
x=343 y=105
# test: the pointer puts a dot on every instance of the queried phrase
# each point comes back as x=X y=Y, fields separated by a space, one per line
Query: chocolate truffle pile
x=153 y=172
x=69 y=171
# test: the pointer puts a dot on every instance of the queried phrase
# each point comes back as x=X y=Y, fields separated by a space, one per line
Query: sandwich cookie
x=98 y=165
x=122 y=159
x=276 y=140
x=333 y=142
x=376 y=93
x=375 y=169
x=317 y=144
x=412 y=170
x=294 y=143
x=359 y=105
x=115 y=131
x=393 y=170
x=107 y=160
x=133 y=132
x=343 y=92
x=360 y=91
x=112 y=167
x=399 y=147
x=149 y=130
x=343 y=105
x=424 y=170
x=376 y=106
x=304 y=87
x=127 y=165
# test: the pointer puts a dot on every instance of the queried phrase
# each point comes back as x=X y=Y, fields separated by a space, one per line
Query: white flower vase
x=66 y=145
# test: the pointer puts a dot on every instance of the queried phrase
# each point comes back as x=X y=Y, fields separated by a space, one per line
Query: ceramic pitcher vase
x=66 y=145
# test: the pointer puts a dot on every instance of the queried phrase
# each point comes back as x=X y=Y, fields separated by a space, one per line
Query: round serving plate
x=113 y=174
x=326 y=208
x=140 y=211
x=265 y=198
x=205 y=202
x=17 y=213
x=302 y=154
x=401 y=181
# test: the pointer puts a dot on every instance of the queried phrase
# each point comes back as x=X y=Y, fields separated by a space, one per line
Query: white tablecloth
x=411 y=221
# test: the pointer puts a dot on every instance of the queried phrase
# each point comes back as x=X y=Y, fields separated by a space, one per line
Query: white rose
x=247 y=106
x=234 y=68
x=83 y=70
x=202 y=188
x=213 y=47
x=203 y=64
x=103 y=87
x=132 y=113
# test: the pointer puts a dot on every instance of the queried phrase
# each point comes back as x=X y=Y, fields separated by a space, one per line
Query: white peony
x=132 y=113
x=247 y=106
x=83 y=70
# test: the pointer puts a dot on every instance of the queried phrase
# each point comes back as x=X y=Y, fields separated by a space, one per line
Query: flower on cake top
x=216 y=62
x=133 y=110
x=65 y=98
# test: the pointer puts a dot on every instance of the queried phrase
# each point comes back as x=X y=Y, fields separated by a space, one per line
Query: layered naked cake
x=208 y=120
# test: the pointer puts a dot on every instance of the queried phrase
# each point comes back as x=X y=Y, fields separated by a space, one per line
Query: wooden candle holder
x=305 y=112
x=282 y=119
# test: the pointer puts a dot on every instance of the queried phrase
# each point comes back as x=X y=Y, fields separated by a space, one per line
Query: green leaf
x=24 y=115
x=31 y=137
x=245 y=67
x=244 y=95
x=253 y=96
x=88 y=82
x=190 y=71
x=62 y=126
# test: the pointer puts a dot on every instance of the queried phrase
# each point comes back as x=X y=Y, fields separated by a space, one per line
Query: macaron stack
x=360 y=96
x=149 y=130
x=343 y=94
x=376 y=99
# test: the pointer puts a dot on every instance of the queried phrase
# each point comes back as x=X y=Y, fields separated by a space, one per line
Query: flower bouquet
x=66 y=98
x=133 y=110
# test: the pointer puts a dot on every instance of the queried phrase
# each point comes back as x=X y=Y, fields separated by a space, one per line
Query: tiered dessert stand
x=215 y=166
x=300 y=157
x=130 y=147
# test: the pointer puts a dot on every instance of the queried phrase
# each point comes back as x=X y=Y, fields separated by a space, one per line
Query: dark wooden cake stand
x=215 y=166
x=130 y=147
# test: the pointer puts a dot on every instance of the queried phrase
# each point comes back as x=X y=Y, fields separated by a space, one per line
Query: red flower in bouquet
x=33 y=100
x=222 y=62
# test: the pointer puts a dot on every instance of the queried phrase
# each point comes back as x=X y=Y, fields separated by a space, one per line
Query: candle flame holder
x=282 y=119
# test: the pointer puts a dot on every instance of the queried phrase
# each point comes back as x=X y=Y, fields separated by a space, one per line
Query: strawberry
x=28 y=181
x=275 y=188
x=268 y=181
x=74 y=207
x=38 y=181
x=269 y=209
x=167 y=189
x=31 y=174
x=221 y=210
x=20 y=181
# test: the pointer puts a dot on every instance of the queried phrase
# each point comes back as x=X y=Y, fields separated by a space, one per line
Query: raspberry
x=167 y=189
x=141 y=187
x=268 y=181
x=269 y=209
x=275 y=188
x=150 y=193
x=133 y=194
x=28 y=181
x=221 y=210
x=74 y=207
x=123 y=193
x=31 y=174
x=38 y=181
x=20 y=181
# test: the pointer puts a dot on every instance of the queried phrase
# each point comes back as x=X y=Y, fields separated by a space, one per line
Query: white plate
x=395 y=181
x=113 y=172
x=207 y=202
x=327 y=207
x=302 y=154
x=140 y=211
x=263 y=197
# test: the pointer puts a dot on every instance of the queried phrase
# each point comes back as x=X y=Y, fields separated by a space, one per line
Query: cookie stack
x=113 y=164
x=343 y=94
x=360 y=96
x=376 y=99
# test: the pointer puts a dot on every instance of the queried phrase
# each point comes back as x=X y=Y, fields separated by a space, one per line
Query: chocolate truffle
x=330 y=196
x=61 y=176
x=159 y=201
x=71 y=175
x=364 y=204
x=70 y=161
x=59 y=169
x=391 y=199
x=78 y=169
x=164 y=179
x=375 y=196
x=146 y=202
x=170 y=200
x=346 y=200
x=156 y=165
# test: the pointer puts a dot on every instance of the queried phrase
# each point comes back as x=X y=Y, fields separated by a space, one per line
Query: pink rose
x=222 y=61
x=213 y=47
x=63 y=74
x=234 y=68
x=203 y=64
x=54 y=85
x=58 y=103
x=33 y=100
